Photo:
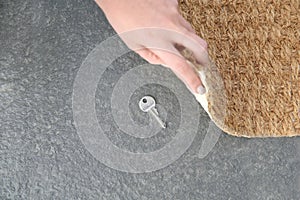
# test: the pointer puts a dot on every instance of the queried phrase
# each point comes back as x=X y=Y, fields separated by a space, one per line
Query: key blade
x=157 y=118
x=155 y=110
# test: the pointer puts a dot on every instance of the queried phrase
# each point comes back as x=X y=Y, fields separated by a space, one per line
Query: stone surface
x=43 y=44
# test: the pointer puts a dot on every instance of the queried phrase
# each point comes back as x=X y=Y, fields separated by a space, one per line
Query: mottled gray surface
x=43 y=44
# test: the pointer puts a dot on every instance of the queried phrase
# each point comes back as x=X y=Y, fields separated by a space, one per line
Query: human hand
x=157 y=32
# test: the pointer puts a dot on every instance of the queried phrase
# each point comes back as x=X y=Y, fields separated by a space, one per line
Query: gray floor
x=43 y=45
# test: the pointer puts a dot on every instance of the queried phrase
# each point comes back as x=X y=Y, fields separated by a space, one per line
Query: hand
x=155 y=29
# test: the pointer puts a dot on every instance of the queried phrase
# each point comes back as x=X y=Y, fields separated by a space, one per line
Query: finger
x=199 y=40
x=186 y=24
x=150 y=56
x=182 y=69
x=193 y=43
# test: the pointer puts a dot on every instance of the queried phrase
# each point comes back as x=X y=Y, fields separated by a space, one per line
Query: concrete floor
x=42 y=156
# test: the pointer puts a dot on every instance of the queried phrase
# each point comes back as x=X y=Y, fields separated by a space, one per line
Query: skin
x=156 y=31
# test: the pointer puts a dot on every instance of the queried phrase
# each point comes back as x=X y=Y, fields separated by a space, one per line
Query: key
x=147 y=104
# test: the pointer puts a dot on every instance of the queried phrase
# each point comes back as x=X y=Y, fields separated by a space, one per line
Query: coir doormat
x=255 y=45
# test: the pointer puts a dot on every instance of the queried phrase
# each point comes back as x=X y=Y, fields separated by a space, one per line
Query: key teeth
x=155 y=110
x=155 y=114
x=163 y=124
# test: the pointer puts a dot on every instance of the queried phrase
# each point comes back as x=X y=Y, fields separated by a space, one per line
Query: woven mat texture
x=256 y=48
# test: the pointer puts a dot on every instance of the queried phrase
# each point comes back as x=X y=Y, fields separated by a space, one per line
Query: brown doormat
x=255 y=45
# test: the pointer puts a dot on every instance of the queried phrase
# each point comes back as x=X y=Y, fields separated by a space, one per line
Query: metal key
x=147 y=104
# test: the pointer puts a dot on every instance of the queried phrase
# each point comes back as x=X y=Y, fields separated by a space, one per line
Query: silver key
x=147 y=104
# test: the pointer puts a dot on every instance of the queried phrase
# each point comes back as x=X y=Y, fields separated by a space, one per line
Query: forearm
x=100 y=2
x=107 y=5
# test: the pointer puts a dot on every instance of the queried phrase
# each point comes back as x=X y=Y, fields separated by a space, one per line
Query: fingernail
x=201 y=90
